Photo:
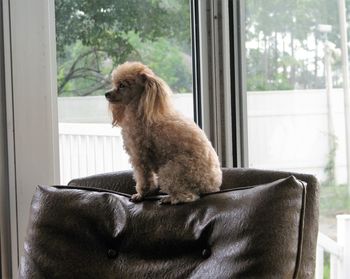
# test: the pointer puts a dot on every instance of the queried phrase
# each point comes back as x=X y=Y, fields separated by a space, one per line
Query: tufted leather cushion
x=248 y=232
x=235 y=178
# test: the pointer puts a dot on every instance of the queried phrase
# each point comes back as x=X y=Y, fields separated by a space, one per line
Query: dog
x=168 y=152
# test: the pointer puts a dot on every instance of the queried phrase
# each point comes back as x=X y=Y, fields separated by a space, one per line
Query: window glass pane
x=93 y=37
x=294 y=80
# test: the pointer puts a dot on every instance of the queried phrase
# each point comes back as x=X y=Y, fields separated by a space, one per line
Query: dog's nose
x=108 y=94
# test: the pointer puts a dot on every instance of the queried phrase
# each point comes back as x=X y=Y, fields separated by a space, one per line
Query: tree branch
x=72 y=70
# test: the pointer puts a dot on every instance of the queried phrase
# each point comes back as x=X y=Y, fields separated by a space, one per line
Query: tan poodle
x=165 y=148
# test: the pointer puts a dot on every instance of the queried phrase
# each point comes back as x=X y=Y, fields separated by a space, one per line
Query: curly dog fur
x=165 y=148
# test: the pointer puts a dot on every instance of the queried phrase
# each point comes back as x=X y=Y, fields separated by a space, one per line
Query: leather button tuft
x=206 y=253
x=112 y=253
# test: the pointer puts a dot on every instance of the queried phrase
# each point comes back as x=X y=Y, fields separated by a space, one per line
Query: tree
x=93 y=37
x=291 y=23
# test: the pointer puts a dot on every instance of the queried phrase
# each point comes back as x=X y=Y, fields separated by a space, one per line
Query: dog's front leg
x=145 y=182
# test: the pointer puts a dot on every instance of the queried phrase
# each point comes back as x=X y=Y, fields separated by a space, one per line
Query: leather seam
x=301 y=230
x=102 y=190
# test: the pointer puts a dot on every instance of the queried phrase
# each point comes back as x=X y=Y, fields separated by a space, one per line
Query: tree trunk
x=283 y=54
x=275 y=68
x=316 y=62
x=266 y=59
x=292 y=73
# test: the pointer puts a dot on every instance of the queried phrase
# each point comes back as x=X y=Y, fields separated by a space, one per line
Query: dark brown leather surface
x=233 y=178
x=246 y=233
x=121 y=181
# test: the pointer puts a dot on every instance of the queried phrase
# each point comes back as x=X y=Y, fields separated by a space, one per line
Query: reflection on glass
x=93 y=37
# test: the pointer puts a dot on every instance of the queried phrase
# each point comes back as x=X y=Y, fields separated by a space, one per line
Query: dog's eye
x=121 y=86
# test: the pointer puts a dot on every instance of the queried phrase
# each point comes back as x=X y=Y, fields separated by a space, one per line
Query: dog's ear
x=155 y=101
x=141 y=78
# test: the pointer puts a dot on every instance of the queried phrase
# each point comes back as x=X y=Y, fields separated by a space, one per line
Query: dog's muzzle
x=108 y=94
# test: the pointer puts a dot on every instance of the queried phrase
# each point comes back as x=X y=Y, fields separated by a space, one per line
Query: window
x=92 y=39
x=150 y=31
x=293 y=78
x=295 y=96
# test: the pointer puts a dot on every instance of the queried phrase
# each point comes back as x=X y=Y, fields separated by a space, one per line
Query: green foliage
x=330 y=166
x=289 y=24
x=258 y=79
x=327 y=266
x=259 y=83
x=102 y=23
x=334 y=199
x=83 y=71
x=165 y=59
x=95 y=36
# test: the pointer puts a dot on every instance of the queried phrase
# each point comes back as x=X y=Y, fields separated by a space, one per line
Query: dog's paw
x=136 y=198
x=165 y=200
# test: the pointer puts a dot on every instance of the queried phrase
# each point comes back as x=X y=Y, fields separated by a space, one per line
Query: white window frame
x=31 y=110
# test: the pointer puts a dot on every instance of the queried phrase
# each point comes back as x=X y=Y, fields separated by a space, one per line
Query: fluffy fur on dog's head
x=138 y=91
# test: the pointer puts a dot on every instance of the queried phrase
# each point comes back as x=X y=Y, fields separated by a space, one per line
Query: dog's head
x=136 y=87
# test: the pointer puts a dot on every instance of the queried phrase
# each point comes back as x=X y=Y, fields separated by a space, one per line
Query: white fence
x=87 y=149
x=339 y=251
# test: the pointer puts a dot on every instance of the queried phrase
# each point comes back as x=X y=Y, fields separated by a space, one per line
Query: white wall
x=94 y=109
x=287 y=130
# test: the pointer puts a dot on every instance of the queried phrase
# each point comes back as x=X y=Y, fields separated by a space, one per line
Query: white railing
x=87 y=149
x=339 y=251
